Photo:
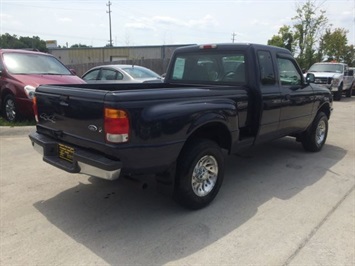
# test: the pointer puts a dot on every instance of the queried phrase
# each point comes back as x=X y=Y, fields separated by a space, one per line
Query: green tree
x=276 y=40
x=34 y=42
x=13 y=42
x=311 y=38
x=79 y=45
x=333 y=44
x=284 y=39
x=8 y=41
x=349 y=55
x=309 y=27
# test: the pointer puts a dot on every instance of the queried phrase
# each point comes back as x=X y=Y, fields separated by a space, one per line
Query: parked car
x=21 y=71
x=121 y=74
x=337 y=77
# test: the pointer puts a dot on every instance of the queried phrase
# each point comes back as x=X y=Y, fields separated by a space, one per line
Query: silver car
x=121 y=74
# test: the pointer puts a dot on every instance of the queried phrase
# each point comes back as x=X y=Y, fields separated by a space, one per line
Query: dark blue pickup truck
x=214 y=98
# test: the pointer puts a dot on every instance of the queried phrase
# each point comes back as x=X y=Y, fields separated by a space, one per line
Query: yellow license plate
x=65 y=152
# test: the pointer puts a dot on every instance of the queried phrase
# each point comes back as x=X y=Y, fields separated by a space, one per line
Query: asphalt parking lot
x=278 y=205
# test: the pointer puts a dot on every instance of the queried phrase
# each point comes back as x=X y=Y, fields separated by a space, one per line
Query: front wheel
x=316 y=135
x=338 y=94
x=199 y=174
x=10 y=112
x=349 y=92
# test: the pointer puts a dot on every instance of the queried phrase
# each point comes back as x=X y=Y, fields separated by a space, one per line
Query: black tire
x=314 y=138
x=204 y=158
x=9 y=108
x=349 y=92
x=338 y=94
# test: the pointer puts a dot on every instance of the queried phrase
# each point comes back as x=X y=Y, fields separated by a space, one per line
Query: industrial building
x=83 y=58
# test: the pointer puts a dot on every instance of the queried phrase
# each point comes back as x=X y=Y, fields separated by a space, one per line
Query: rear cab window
x=210 y=68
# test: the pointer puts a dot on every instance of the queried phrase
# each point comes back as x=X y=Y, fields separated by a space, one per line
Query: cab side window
x=288 y=72
x=267 y=73
x=346 y=71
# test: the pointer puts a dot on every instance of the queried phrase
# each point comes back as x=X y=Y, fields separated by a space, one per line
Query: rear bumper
x=85 y=162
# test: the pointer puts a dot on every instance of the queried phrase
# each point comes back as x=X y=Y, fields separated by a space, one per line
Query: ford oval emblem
x=92 y=128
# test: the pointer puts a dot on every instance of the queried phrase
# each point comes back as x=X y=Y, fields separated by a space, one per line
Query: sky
x=161 y=22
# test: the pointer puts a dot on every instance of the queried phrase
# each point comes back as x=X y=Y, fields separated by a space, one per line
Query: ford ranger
x=215 y=98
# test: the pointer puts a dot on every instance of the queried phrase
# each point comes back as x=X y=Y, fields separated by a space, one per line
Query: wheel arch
x=325 y=108
x=215 y=131
x=4 y=92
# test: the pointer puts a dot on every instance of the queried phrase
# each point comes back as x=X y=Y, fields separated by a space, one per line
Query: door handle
x=63 y=101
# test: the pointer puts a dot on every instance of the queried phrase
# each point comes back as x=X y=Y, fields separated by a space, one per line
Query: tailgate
x=71 y=112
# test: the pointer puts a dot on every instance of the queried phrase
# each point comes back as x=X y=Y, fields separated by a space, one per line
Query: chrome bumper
x=84 y=162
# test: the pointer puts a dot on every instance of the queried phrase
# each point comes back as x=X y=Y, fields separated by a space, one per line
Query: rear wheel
x=199 y=174
x=9 y=111
x=316 y=135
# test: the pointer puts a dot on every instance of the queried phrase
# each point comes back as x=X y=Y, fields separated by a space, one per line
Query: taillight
x=116 y=125
x=35 y=109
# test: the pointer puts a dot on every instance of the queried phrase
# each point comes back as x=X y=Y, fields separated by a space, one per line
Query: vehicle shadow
x=126 y=225
x=346 y=99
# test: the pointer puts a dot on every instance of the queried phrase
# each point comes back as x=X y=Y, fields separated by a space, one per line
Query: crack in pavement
x=315 y=230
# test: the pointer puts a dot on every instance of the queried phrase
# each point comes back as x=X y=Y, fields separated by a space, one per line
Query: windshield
x=140 y=73
x=21 y=63
x=326 y=68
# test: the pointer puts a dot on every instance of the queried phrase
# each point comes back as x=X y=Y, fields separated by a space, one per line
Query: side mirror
x=310 y=78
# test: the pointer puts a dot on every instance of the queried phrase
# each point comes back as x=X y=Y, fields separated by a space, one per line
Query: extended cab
x=214 y=97
x=337 y=77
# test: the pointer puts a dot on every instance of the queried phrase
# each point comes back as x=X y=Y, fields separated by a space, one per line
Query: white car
x=335 y=76
x=121 y=74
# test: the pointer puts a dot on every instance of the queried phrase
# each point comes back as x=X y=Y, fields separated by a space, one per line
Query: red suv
x=21 y=71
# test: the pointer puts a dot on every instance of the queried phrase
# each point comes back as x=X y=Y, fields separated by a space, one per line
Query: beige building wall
x=70 y=56
x=155 y=58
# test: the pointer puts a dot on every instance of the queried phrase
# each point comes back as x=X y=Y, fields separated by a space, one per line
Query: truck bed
x=160 y=116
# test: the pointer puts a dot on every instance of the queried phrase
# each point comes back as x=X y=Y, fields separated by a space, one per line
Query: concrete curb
x=16 y=131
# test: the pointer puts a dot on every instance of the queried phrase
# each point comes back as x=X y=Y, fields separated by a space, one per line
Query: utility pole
x=233 y=36
x=109 y=16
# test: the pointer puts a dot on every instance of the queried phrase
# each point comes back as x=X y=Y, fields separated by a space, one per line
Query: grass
x=5 y=123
